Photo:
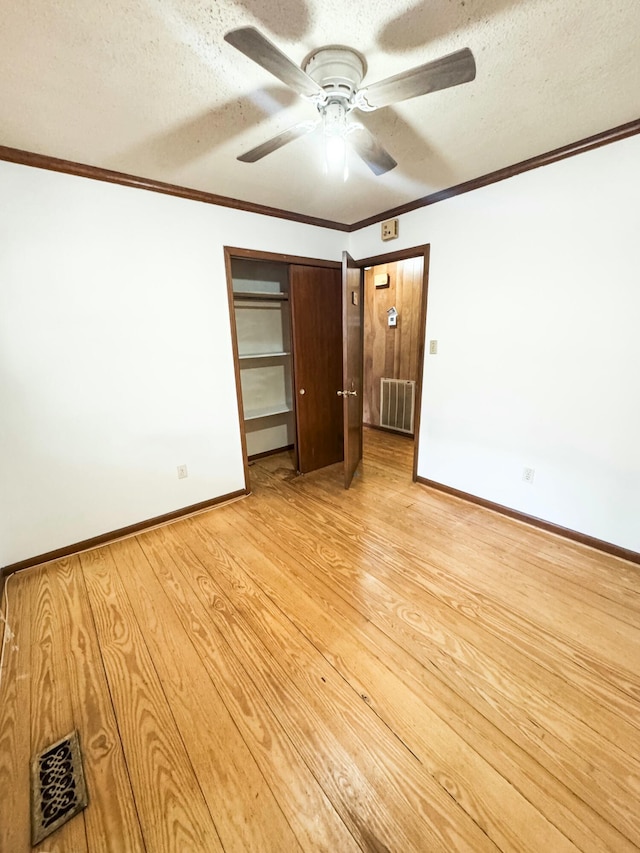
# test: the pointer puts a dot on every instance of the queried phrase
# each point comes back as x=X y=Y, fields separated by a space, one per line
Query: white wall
x=534 y=298
x=116 y=363
x=115 y=353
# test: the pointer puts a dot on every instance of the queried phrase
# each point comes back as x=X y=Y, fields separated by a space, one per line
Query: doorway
x=409 y=291
x=394 y=328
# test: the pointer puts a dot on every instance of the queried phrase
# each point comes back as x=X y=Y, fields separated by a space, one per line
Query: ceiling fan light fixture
x=335 y=128
x=334 y=118
x=335 y=156
x=330 y=78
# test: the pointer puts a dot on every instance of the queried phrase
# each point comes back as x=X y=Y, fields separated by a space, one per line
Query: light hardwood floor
x=308 y=669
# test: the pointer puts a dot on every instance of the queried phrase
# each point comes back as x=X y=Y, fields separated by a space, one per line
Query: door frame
x=231 y=252
x=423 y=251
x=352 y=368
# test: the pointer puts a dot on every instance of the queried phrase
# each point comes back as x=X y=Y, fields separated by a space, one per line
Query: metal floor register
x=58 y=790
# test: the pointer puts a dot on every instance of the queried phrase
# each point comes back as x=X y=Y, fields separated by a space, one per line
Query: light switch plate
x=389 y=229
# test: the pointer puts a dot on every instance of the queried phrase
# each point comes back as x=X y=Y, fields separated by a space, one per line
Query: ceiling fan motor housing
x=338 y=70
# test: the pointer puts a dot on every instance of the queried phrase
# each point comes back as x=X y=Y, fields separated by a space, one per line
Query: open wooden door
x=352 y=350
x=316 y=297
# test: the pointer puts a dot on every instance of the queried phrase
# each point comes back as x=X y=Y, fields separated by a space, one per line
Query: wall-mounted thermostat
x=389 y=229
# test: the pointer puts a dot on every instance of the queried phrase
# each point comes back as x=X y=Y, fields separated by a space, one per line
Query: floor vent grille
x=58 y=790
x=397 y=401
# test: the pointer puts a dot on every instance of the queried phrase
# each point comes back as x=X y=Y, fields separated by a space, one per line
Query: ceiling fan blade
x=374 y=155
x=278 y=141
x=252 y=43
x=450 y=70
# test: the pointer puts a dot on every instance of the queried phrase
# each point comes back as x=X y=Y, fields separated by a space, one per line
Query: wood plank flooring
x=309 y=669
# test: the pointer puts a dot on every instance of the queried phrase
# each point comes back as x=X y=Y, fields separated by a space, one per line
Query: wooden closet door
x=316 y=318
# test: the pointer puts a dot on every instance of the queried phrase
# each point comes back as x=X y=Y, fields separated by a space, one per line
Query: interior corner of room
x=118 y=363
x=319 y=419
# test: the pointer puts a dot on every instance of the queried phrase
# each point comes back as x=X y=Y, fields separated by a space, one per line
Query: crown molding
x=615 y=134
x=95 y=173
x=69 y=167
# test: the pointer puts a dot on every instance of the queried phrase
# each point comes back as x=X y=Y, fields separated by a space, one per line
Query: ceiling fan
x=330 y=78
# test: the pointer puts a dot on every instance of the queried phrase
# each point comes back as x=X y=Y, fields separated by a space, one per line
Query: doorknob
x=302 y=391
x=347 y=393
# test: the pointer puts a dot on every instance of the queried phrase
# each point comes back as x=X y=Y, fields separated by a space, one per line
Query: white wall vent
x=397 y=402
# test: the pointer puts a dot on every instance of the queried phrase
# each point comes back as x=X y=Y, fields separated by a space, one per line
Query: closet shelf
x=269 y=412
x=254 y=355
x=256 y=296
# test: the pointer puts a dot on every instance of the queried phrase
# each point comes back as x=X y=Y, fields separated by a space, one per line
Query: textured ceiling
x=150 y=88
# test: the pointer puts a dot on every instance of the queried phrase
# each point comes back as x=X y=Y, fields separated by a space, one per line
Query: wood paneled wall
x=390 y=352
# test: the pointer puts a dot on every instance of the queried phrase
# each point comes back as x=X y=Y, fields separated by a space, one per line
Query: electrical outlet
x=182 y=472
x=528 y=474
x=433 y=347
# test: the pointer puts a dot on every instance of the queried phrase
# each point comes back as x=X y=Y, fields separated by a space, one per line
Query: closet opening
x=263 y=330
x=286 y=317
